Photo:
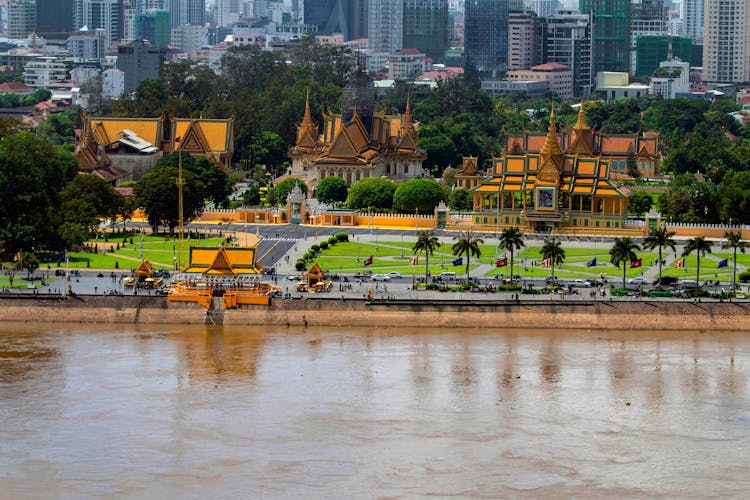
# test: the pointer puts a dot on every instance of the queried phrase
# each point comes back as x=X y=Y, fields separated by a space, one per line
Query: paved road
x=281 y=245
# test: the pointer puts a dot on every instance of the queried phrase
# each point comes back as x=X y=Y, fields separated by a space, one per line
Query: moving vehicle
x=394 y=274
x=447 y=275
x=666 y=280
x=380 y=277
x=637 y=281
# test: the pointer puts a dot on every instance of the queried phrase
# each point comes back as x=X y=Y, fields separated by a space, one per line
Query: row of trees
x=692 y=199
x=622 y=253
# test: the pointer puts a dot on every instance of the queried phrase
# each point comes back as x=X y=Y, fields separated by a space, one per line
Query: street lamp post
x=402 y=244
x=376 y=239
x=416 y=220
x=356 y=238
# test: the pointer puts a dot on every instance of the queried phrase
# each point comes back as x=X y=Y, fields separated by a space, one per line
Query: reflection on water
x=238 y=412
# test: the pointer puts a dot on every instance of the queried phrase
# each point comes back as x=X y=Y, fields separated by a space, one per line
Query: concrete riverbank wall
x=621 y=315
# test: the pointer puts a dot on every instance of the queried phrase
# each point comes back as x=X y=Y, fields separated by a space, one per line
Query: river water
x=197 y=412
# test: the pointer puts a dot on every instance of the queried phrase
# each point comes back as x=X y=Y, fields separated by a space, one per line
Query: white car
x=637 y=281
x=394 y=274
x=380 y=277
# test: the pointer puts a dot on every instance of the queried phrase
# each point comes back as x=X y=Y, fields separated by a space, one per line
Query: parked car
x=637 y=281
x=582 y=283
x=394 y=274
x=380 y=277
x=447 y=275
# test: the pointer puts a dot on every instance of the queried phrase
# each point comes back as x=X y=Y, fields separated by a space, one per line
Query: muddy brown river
x=198 y=412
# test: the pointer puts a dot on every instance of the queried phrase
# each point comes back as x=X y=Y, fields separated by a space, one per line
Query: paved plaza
x=281 y=245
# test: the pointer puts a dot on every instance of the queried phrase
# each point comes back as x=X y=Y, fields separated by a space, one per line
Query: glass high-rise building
x=54 y=19
x=338 y=16
x=610 y=41
x=486 y=36
x=385 y=25
x=567 y=40
x=426 y=27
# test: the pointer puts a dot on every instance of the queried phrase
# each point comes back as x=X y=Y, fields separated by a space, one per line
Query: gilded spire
x=407 y=113
x=308 y=117
x=581 y=124
x=552 y=145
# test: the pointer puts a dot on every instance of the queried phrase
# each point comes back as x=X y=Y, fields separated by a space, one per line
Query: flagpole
x=180 y=184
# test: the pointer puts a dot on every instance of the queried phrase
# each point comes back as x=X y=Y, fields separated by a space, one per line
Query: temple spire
x=581 y=123
x=407 y=113
x=552 y=144
x=308 y=117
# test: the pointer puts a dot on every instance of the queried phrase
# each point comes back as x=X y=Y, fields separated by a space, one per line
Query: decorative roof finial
x=551 y=144
x=308 y=117
x=581 y=123
x=407 y=113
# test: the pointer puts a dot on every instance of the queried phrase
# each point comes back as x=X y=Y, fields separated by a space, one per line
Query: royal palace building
x=563 y=182
x=355 y=145
x=125 y=149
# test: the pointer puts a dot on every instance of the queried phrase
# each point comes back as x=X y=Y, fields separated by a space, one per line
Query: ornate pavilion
x=551 y=182
x=124 y=149
x=357 y=144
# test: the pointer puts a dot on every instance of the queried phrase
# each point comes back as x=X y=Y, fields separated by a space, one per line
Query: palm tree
x=511 y=240
x=467 y=243
x=701 y=246
x=623 y=251
x=426 y=242
x=554 y=252
x=660 y=237
x=734 y=241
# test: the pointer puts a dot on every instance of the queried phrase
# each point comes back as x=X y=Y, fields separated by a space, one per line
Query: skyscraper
x=154 y=26
x=726 y=43
x=567 y=40
x=426 y=27
x=385 y=30
x=611 y=34
x=525 y=39
x=187 y=12
x=21 y=18
x=139 y=61
x=486 y=36
x=692 y=20
x=101 y=14
x=329 y=16
x=53 y=18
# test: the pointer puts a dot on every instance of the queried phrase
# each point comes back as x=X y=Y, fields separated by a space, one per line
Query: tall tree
x=553 y=250
x=511 y=239
x=623 y=252
x=734 y=241
x=418 y=194
x=659 y=237
x=426 y=242
x=32 y=174
x=701 y=246
x=157 y=194
x=331 y=190
x=467 y=243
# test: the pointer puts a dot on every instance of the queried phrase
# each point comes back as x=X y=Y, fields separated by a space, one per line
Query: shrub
x=332 y=240
x=342 y=237
x=324 y=245
x=744 y=276
x=315 y=248
x=299 y=265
